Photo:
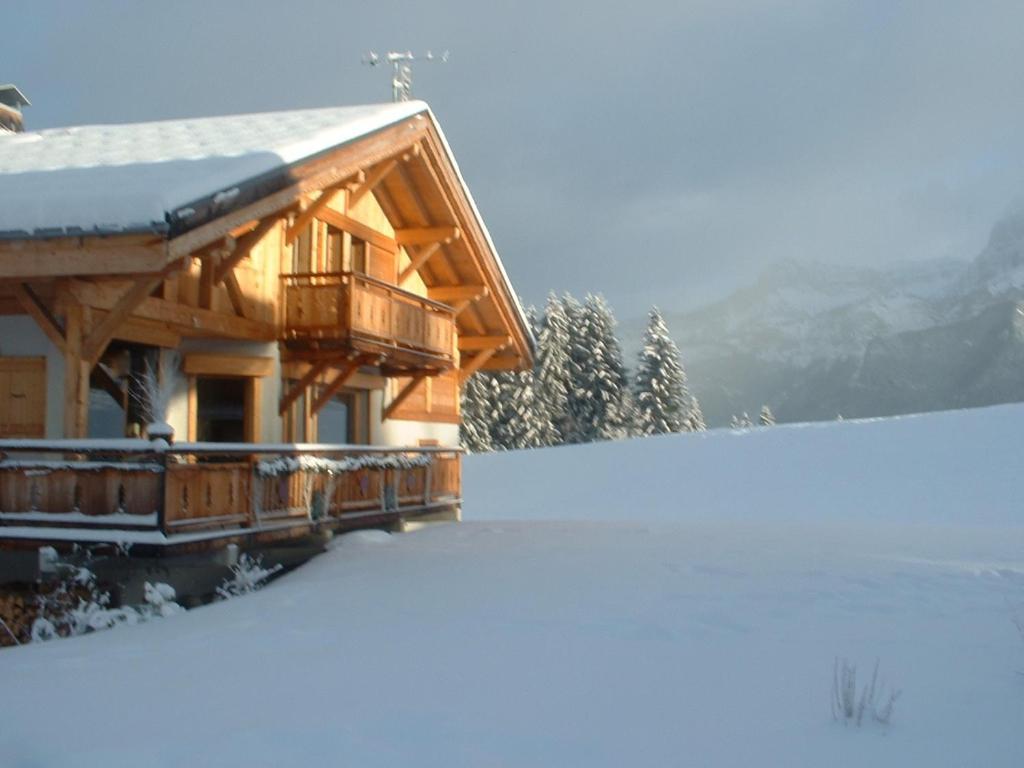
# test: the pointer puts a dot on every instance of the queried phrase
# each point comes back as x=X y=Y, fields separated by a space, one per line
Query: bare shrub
x=850 y=707
x=247 y=575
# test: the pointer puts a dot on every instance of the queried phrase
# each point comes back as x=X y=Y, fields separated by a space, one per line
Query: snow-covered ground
x=675 y=601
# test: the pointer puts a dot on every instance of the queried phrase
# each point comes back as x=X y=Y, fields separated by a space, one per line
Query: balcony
x=196 y=495
x=349 y=312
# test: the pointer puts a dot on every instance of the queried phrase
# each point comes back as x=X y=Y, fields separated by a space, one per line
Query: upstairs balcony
x=345 y=312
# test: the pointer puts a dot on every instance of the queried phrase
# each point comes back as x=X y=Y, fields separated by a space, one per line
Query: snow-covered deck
x=150 y=493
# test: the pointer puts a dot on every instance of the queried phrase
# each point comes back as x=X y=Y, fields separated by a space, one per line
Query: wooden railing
x=343 y=305
x=218 y=489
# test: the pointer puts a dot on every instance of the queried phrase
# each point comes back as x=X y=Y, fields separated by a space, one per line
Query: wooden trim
x=418 y=261
x=401 y=397
x=217 y=364
x=300 y=386
x=39 y=312
x=426 y=235
x=357 y=228
x=430 y=418
x=339 y=381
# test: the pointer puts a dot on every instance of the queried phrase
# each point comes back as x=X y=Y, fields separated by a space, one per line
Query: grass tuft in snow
x=848 y=707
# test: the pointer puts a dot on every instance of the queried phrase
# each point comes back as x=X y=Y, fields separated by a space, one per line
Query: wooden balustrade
x=215 y=489
x=346 y=307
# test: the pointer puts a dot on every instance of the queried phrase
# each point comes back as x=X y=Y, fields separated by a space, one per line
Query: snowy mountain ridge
x=814 y=339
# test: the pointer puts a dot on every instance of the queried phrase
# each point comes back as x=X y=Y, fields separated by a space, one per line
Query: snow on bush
x=848 y=707
x=76 y=605
x=247 y=575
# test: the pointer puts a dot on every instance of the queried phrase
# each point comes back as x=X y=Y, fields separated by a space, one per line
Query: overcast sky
x=658 y=152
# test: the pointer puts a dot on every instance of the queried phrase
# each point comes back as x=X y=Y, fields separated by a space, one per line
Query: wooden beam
x=449 y=293
x=145 y=332
x=217 y=364
x=503 y=363
x=101 y=335
x=344 y=374
x=243 y=247
x=373 y=178
x=39 y=312
x=186 y=320
x=299 y=387
x=237 y=297
x=401 y=397
x=357 y=228
x=474 y=364
x=426 y=235
x=36 y=262
x=480 y=343
x=102 y=378
x=418 y=261
x=310 y=213
x=76 y=373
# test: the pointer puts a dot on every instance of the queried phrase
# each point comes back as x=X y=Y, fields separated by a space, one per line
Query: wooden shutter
x=22 y=396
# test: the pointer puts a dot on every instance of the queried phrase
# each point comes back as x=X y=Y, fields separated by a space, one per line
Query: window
x=221 y=409
x=345 y=418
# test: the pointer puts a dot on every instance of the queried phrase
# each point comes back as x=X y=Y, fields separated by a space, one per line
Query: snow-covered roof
x=135 y=177
x=12 y=96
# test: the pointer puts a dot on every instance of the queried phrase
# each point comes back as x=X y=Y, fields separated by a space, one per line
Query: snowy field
x=674 y=601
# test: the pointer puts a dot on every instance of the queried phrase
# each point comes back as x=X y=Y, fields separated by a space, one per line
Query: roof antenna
x=401 y=65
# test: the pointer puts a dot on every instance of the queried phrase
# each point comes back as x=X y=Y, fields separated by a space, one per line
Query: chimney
x=11 y=102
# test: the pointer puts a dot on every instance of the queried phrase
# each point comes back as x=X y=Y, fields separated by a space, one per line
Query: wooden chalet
x=310 y=288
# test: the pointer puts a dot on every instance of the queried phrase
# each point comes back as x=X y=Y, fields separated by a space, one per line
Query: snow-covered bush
x=849 y=707
x=76 y=605
x=247 y=575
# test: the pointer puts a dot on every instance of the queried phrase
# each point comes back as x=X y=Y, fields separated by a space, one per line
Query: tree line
x=580 y=389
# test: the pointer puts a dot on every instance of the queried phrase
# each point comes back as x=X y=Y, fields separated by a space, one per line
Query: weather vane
x=401 y=65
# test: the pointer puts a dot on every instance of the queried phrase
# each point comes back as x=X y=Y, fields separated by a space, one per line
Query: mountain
x=816 y=340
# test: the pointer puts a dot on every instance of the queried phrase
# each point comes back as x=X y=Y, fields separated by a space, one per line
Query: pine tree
x=520 y=421
x=663 y=403
x=695 y=418
x=553 y=373
x=475 y=429
x=598 y=396
x=741 y=422
x=766 y=418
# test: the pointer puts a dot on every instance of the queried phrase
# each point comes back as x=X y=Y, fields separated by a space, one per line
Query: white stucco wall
x=21 y=337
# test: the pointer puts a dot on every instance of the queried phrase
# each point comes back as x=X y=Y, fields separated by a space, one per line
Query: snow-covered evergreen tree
x=552 y=374
x=695 y=417
x=598 y=396
x=520 y=420
x=741 y=422
x=766 y=417
x=475 y=428
x=663 y=403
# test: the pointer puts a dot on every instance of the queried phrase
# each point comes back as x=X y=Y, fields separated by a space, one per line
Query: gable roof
x=170 y=177
x=138 y=177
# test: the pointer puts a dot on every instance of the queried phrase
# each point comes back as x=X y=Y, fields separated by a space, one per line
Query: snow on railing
x=226 y=488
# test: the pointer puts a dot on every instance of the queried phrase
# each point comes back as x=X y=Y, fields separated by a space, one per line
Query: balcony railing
x=350 y=309
x=149 y=493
